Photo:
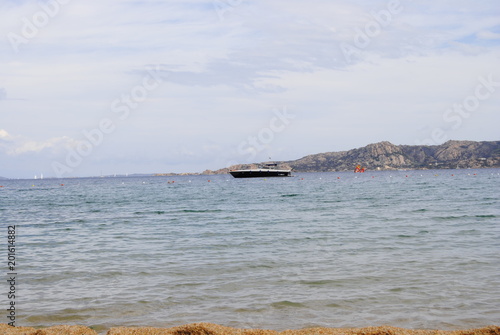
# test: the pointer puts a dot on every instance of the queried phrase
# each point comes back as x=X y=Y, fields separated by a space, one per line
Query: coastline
x=214 y=329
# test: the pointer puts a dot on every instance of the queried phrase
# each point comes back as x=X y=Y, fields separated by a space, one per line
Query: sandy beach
x=214 y=329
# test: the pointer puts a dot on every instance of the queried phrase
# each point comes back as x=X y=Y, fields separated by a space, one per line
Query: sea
x=413 y=249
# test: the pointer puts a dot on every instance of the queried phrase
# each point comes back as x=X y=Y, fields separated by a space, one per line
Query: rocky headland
x=388 y=156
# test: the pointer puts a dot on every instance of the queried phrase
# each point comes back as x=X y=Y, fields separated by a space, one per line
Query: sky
x=107 y=87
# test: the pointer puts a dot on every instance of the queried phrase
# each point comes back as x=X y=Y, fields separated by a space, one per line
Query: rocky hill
x=387 y=156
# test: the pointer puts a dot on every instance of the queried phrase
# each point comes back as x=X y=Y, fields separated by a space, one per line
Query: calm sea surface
x=415 y=249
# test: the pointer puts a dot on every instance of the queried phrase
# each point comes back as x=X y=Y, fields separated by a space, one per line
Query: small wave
x=331 y=201
x=152 y=212
x=51 y=204
x=290 y=195
x=201 y=210
x=34 y=188
x=319 y=282
x=286 y=303
x=192 y=284
x=64 y=316
x=451 y=217
x=468 y=232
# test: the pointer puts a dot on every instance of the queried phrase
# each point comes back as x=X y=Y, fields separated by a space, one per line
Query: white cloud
x=488 y=35
x=29 y=146
x=19 y=145
x=4 y=135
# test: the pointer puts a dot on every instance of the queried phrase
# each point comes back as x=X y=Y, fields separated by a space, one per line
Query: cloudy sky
x=118 y=86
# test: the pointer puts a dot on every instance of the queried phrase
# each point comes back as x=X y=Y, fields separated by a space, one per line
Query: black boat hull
x=260 y=173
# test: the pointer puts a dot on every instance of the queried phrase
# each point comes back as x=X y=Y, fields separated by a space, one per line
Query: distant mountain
x=387 y=156
x=3 y=178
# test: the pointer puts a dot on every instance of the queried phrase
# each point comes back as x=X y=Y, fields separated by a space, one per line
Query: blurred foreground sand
x=213 y=329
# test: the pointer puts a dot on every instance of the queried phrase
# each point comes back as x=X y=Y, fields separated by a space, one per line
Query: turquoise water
x=415 y=249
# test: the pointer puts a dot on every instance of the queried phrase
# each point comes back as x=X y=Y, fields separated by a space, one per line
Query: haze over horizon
x=90 y=88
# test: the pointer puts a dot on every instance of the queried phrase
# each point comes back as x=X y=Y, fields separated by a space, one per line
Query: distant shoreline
x=173 y=174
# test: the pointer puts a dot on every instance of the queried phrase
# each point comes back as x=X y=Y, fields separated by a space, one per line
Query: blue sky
x=113 y=86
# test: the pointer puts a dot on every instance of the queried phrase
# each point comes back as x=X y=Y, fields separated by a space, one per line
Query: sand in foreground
x=213 y=329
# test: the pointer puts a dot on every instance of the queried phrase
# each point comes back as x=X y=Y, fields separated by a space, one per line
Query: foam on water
x=415 y=249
